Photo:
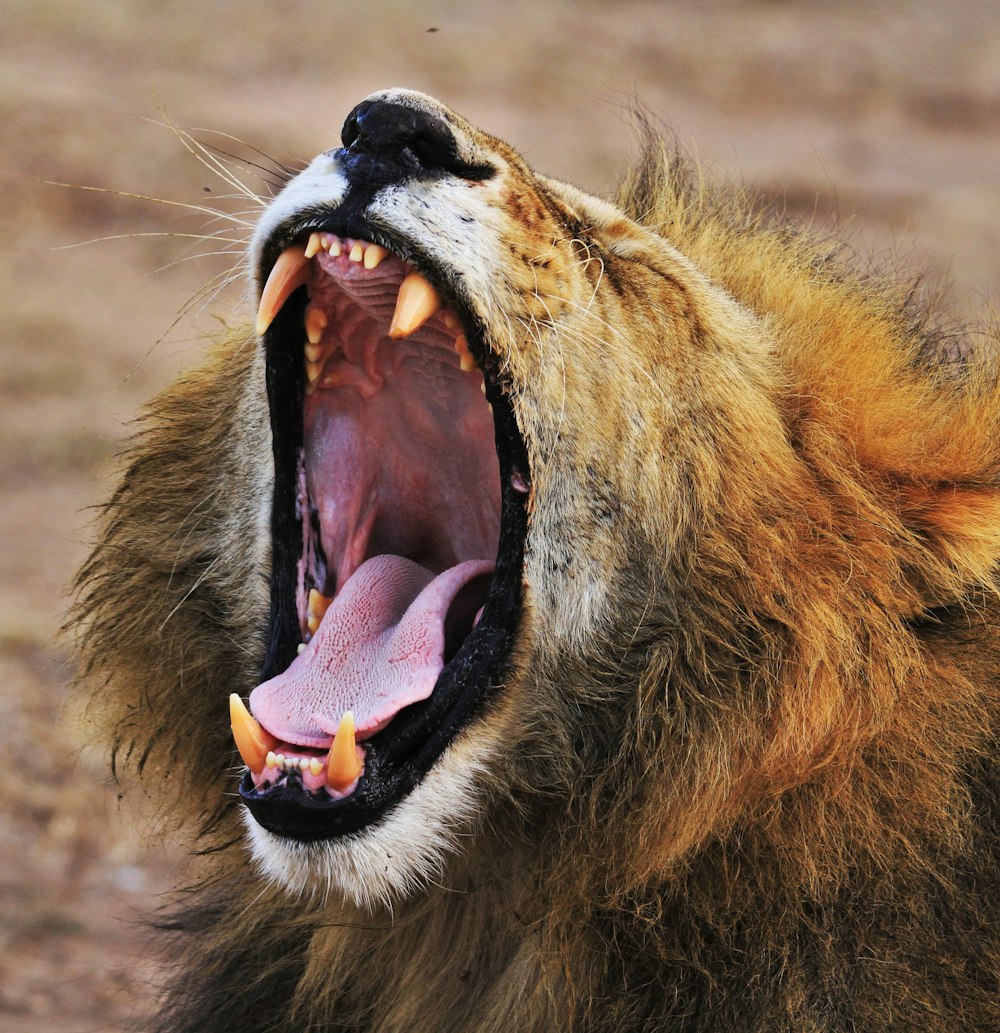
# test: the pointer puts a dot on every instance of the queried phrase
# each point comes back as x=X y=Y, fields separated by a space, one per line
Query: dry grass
x=887 y=113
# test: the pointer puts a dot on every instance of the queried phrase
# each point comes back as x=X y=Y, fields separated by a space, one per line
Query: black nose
x=391 y=130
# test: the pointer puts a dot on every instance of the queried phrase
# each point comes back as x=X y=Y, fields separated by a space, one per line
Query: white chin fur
x=390 y=859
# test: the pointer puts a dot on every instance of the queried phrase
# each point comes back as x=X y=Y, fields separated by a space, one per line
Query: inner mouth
x=397 y=501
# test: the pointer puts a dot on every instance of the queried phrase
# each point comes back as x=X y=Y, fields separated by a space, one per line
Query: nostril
x=387 y=128
x=410 y=138
x=350 y=131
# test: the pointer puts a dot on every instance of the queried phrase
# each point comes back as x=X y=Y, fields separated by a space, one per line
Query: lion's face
x=473 y=376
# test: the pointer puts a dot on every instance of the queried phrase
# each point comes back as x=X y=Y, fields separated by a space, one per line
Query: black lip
x=400 y=755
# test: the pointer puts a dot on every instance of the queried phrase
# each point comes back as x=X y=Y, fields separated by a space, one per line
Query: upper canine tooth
x=252 y=740
x=416 y=303
x=290 y=272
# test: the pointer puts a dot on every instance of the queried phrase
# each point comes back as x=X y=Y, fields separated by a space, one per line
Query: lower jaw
x=390 y=858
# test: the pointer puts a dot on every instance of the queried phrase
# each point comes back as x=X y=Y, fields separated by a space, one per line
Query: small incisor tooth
x=416 y=303
x=357 y=253
x=313 y=245
x=374 y=254
x=252 y=740
x=343 y=765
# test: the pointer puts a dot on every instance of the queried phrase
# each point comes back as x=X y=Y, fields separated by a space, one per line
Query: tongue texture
x=379 y=648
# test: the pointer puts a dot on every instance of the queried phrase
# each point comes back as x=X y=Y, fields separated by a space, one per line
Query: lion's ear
x=926 y=437
x=934 y=449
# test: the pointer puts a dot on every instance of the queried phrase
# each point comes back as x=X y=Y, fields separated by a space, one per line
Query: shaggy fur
x=742 y=773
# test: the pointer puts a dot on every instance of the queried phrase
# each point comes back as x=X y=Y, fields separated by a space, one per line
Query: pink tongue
x=379 y=648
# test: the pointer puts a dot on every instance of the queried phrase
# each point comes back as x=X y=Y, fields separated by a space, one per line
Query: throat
x=407 y=468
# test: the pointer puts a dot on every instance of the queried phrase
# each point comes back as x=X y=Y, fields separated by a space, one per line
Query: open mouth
x=398 y=524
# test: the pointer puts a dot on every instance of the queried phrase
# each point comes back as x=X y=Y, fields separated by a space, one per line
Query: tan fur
x=748 y=768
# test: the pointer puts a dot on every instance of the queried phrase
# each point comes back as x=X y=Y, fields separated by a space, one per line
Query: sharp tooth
x=343 y=765
x=374 y=254
x=290 y=272
x=314 y=352
x=416 y=303
x=252 y=740
x=357 y=252
x=313 y=245
x=316 y=323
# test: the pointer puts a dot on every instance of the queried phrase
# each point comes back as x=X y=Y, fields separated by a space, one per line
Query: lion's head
x=626 y=541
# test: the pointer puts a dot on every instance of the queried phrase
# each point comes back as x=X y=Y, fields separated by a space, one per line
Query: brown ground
x=887 y=114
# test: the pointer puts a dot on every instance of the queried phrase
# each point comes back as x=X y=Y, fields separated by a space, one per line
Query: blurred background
x=883 y=117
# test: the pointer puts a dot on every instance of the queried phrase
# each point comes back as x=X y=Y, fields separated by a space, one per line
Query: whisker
x=202 y=209
x=147 y=233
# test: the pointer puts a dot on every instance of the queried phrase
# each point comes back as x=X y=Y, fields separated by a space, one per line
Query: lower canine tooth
x=343 y=766
x=252 y=740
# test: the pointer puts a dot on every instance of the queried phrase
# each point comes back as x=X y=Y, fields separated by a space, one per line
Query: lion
x=604 y=594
